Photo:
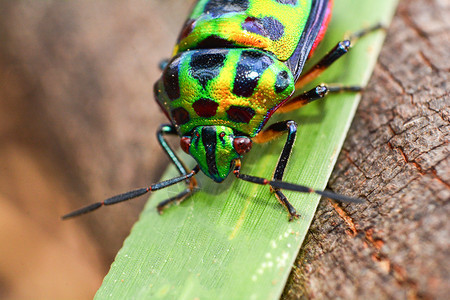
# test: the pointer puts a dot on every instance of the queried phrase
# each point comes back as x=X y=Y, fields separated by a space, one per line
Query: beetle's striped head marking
x=215 y=148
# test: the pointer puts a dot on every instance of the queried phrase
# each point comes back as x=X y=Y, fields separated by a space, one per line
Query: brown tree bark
x=397 y=157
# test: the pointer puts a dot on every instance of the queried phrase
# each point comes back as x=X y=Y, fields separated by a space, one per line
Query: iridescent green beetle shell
x=271 y=25
x=239 y=88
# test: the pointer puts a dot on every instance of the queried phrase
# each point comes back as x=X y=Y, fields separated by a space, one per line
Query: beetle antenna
x=293 y=187
x=130 y=195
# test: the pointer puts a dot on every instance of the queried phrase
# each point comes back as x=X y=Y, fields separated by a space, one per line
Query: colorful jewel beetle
x=235 y=64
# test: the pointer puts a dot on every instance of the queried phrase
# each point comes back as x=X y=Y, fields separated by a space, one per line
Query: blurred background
x=77 y=125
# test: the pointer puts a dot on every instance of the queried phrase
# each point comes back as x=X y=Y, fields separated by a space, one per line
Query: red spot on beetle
x=240 y=114
x=180 y=116
x=205 y=108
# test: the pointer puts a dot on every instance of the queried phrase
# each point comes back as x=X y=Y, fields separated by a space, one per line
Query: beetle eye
x=185 y=143
x=242 y=145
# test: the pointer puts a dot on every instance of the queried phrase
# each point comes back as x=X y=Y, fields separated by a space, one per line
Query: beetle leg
x=337 y=52
x=131 y=194
x=278 y=184
x=291 y=128
x=167 y=129
x=176 y=199
x=334 y=54
x=359 y=34
x=191 y=183
x=316 y=93
x=270 y=133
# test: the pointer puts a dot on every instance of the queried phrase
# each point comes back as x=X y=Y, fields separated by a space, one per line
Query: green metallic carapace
x=235 y=63
x=238 y=88
x=270 y=25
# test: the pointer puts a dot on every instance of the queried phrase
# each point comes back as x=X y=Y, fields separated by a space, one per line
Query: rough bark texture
x=397 y=157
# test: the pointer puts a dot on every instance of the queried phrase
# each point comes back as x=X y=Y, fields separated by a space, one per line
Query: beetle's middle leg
x=191 y=183
x=270 y=133
x=320 y=91
x=334 y=54
x=315 y=93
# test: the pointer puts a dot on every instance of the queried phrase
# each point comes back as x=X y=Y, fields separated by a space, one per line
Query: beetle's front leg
x=191 y=183
x=270 y=133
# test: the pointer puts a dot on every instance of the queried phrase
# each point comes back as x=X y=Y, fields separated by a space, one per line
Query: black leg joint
x=167 y=129
x=340 y=49
x=316 y=93
x=285 y=154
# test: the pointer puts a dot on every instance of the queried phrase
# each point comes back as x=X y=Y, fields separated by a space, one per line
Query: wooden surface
x=397 y=157
x=77 y=123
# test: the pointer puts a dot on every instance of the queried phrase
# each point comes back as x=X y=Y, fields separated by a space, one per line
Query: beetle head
x=215 y=148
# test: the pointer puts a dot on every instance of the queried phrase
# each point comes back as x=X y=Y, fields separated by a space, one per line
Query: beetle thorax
x=237 y=88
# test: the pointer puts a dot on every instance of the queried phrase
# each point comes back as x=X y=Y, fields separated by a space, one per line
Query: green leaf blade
x=233 y=240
